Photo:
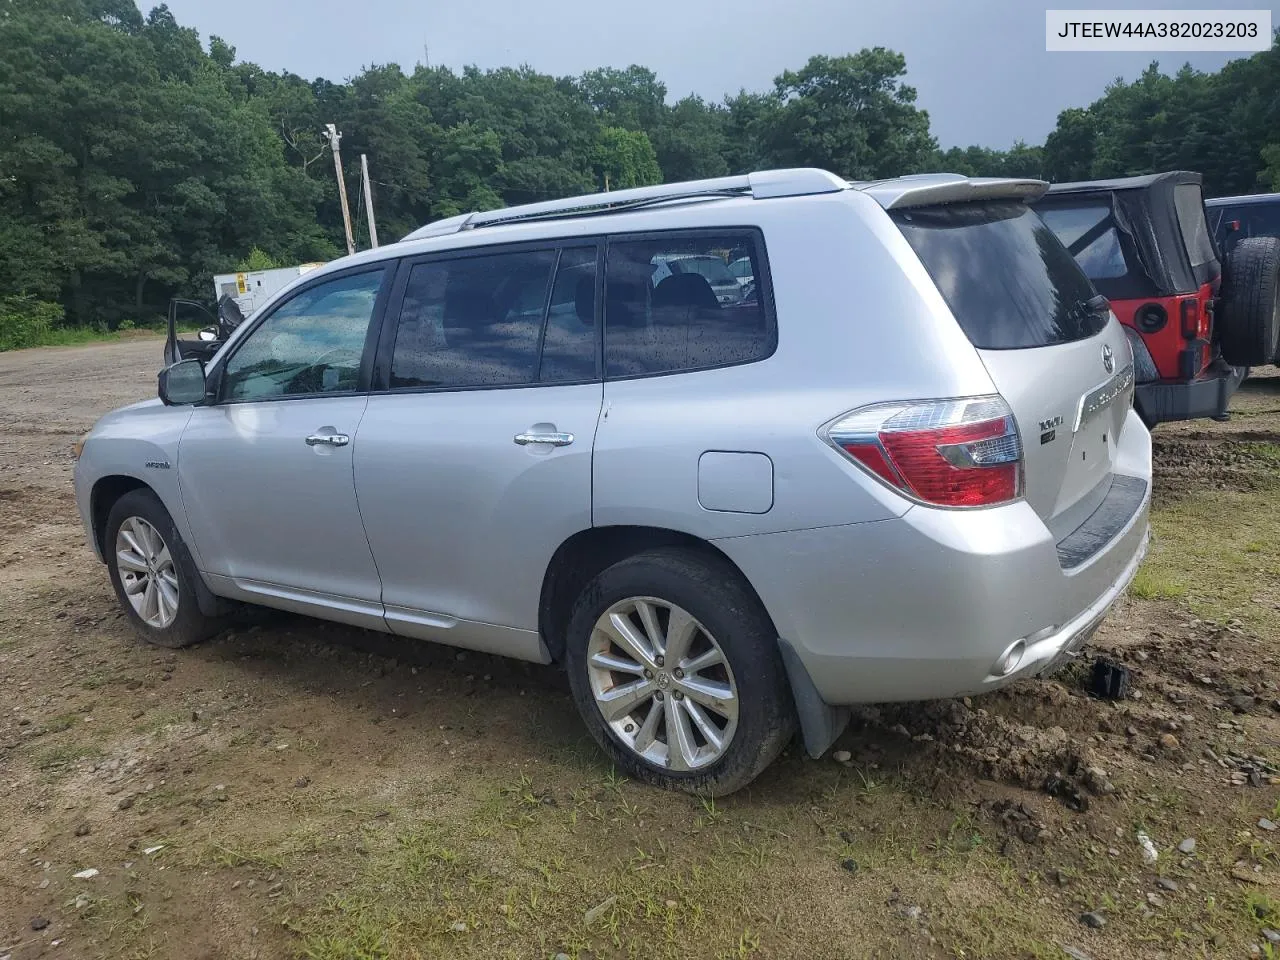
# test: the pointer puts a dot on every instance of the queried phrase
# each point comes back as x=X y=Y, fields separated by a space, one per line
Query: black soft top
x=1165 y=257
x=1169 y=177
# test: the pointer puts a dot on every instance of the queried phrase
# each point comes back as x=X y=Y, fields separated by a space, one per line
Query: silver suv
x=905 y=465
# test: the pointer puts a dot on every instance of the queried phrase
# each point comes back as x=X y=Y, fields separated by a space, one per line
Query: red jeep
x=1196 y=324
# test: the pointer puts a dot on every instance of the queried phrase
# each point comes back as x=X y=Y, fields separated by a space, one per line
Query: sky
x=979 y=66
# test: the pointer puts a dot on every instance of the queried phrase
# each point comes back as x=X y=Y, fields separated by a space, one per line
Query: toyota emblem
x=1108 y=358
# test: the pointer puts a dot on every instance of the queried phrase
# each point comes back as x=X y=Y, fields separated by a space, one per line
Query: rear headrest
x=621 y=297
x=689 y=290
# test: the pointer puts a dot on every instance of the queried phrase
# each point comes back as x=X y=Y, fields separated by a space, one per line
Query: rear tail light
x=948 y=453
x=1191 y=318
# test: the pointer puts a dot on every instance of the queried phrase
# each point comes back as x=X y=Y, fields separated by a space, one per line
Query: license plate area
x=1094 y=403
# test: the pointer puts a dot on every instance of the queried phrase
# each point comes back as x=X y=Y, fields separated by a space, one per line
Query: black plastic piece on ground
x=1109 y=681
x=1056 y=785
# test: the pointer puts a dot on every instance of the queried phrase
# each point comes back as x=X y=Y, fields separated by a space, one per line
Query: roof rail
x=762 y=185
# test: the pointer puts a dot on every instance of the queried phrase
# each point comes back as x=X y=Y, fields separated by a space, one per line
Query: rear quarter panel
x=859 y=321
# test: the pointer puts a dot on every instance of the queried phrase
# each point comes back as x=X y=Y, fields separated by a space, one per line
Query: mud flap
x=820 y=723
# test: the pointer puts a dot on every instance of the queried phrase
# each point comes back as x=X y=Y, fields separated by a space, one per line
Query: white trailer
x=252 y=288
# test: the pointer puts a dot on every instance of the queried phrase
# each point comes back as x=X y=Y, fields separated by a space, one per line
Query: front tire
x=152 y=574
x=674 y=666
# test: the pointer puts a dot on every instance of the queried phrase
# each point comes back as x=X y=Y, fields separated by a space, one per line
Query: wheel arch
x=579 y=558
x=586 y=553
x=106 y=492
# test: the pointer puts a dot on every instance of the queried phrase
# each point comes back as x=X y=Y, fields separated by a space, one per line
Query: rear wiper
x=1098 y=304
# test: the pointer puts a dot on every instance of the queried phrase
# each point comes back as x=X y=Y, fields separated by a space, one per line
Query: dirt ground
x=294 y=789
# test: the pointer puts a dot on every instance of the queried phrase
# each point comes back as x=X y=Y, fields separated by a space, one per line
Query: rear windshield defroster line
x=1006 y=277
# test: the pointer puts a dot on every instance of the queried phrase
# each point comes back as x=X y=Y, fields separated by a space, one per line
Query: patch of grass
x=1149 y=585
x=57 y=757
x=79 y=336
x=230 y=855
x=1201 y=554
x=62 y=723
x=353 y=931
x=1269 y=452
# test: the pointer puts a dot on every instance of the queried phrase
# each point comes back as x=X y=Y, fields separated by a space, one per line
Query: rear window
x=1007 y=278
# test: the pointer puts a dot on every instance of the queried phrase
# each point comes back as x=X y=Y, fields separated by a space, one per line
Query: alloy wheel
x=662 y=683
x=147 y=573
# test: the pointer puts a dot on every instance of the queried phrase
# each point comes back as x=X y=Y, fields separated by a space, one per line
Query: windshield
x=1007 y=278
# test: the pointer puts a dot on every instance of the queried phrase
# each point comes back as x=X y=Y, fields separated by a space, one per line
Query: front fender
x=139 y=442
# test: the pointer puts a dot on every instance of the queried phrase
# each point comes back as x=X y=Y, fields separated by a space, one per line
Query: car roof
x=1125 y=183
x=638 y=207
x=1244 y=199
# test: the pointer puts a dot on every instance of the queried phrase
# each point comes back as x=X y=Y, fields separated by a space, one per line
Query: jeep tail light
x=1191 y=318
x=948 y=453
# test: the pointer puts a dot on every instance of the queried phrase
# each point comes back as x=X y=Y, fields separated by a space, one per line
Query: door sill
x=311 y=603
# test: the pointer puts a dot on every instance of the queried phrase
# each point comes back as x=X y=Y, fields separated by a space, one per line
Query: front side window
x=502 y=319
x=671 y=305
x=311 y=344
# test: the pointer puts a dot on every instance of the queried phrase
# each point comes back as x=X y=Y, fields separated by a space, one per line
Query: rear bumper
x=924 y=606
x=1207 y=396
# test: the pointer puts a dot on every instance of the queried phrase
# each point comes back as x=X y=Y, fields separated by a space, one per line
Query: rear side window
x=1189 y=202
x=494 y=320
x=671 y=304
x=1007 y=278
x=1090 y=236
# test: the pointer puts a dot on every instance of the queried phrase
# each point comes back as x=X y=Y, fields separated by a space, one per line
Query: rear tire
x=651 y=591
x=152 y=573
x=1250 y=328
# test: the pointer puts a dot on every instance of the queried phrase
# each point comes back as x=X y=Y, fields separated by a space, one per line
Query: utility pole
x=333 y=136
x=368 y=199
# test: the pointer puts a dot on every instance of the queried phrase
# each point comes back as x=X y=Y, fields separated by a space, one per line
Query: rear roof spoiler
x=934 y=189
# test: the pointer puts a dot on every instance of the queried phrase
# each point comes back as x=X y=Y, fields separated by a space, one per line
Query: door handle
x=552 y=439
x=328 y=439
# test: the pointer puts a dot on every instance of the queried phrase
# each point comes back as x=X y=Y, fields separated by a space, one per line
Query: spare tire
x=1249 y=324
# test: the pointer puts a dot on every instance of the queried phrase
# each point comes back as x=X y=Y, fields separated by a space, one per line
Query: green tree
x=625 y=158
x=851 y=115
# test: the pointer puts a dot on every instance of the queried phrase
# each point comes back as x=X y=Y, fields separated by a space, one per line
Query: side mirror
x=182 y=383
